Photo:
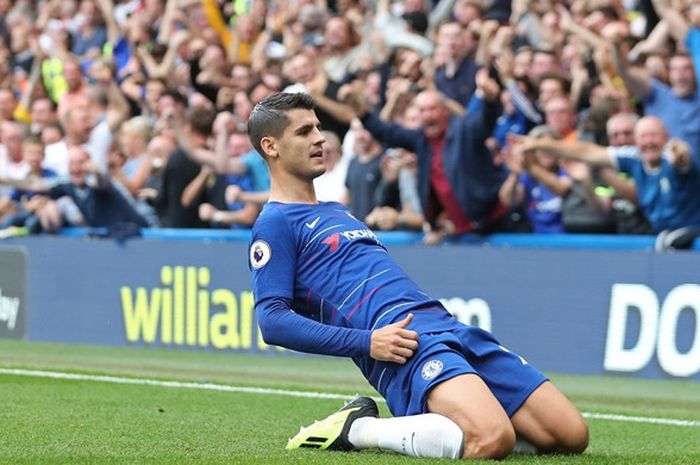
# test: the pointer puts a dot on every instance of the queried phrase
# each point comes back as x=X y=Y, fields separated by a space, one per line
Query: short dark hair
x=201 y=120
x=561 y=78
x=269 y=116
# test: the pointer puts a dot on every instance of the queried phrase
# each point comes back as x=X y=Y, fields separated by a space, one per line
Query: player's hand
x=394 y=343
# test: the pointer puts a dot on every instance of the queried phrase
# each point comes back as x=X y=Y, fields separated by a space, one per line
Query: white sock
x=428 y=435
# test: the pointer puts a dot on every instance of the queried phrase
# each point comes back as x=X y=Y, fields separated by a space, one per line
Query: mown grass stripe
x=290 y=393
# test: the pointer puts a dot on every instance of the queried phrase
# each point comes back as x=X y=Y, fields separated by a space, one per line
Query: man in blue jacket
x=457 y=178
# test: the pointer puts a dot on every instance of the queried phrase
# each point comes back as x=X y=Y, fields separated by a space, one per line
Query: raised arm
x=195 y=188
x=593 y=154
x=389 y=134
x=107 y=9
x=637 y=81
x=512 y=192
x=558 y=185
x=671 y=14
x=36 y=185
x=340 y=111
x=223 y=163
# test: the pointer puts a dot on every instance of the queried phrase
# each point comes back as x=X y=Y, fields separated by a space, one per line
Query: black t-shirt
x=362 y=181
x=328 y=122
x=177 y=174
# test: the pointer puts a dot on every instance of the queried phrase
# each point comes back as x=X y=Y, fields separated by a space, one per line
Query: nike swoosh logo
x=312 y=225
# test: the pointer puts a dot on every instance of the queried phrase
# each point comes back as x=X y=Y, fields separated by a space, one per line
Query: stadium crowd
x=447 y=117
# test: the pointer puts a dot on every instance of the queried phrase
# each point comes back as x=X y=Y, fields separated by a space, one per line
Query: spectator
x=236 y=213
x=364 y=174
x=302 y=72
x=559 y=114
x=684 y=29
x=75 y=86
x=677 y=105
x=457 y=178
x=42 y=113
x=330 y=186
x=52 y=133
x=100 y=203
x=133 y=141
x=343 y=48
x=92 y=119
x=407 y=31
x=226 y=160
x=90 y=33
x=537 y=181
x=158 y=152
x=12 y=162
x=180 y=170
x=398 y=203
x=456 y=74
x=166 y=56
x=666 y=176
x=629 y=219
x=551 y=85
x=8 y=104
x=32 y=212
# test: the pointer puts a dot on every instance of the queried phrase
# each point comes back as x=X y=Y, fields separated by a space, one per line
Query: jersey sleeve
x=281 y=326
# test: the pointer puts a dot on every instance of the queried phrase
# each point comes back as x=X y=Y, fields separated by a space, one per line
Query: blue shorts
x=444 y=355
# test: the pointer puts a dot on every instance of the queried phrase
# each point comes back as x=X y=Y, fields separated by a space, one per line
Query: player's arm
x=283 y=327
x=391 y=343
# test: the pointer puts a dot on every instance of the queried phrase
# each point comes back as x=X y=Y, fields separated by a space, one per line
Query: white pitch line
x=633 y=419
x=289 y=393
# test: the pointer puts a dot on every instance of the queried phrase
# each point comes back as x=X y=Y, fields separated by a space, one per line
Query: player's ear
x=269 y=146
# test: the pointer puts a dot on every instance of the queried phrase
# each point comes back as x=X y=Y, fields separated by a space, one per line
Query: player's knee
x=575 y=439
x=570 y=437
x=492 y=442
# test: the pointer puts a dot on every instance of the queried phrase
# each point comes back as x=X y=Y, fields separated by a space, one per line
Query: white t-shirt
x=56 y=155
x=10 y=169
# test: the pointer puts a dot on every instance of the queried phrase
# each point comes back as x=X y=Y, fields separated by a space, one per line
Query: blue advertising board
x=630 y=312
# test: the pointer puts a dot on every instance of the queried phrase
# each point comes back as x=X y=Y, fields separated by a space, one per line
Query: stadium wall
x=588 y=311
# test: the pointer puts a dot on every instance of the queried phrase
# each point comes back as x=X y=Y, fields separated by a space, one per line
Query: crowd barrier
x=568 y=304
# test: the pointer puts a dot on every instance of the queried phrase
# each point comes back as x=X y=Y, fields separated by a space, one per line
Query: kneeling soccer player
x=324 y=284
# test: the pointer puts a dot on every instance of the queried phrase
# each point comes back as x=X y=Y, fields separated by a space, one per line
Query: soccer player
x=324 y=284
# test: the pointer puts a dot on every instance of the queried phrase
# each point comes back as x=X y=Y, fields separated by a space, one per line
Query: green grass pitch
x=64 y=421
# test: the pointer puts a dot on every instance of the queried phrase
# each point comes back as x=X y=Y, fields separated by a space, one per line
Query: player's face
x=301 y=145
